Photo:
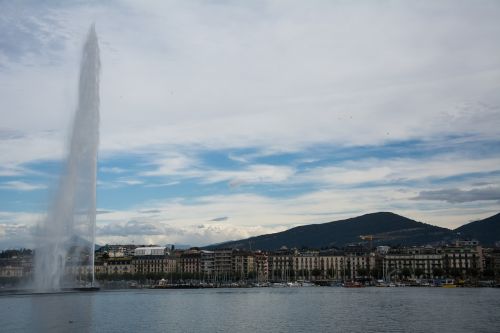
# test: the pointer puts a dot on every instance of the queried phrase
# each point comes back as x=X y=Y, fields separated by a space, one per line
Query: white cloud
x=16 y=236
x=30 y=148
x=16 y=229
x=189 y=221
x=454 y=195
x=267 y=75
x=21 y=186
x=131 y=181
x=112 y=170
x=162 y=184
x=183 y=166
x=253 y=174
x=194 y=235
x=10 y=171
x=356 y=174
x=173 y=164
x=398 y=169
x=180 y=221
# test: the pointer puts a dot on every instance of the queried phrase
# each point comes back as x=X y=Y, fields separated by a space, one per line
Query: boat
x=448 y=283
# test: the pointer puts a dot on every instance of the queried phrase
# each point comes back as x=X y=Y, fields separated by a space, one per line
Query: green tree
x=251 y=275
x=437 y=271
x=376 y=273
x=316 y=272
x=405 y=272
x=455 y=272
x=473 y=272
x=347 y=273
x=363 y=272
x=488 y=273
x=419 y=272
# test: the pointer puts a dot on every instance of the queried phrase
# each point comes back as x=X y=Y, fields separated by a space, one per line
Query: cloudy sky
x=227 y=119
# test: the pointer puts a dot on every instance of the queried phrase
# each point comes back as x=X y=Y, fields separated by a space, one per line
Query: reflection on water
x=61 y=313
x=415 y=310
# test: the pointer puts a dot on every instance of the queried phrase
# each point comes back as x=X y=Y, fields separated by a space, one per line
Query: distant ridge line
x=389 y=229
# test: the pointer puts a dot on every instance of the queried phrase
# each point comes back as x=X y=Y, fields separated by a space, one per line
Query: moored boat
x=448 y=283
x=353 y=284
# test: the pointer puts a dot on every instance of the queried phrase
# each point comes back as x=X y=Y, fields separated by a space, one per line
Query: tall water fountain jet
x=64 y=256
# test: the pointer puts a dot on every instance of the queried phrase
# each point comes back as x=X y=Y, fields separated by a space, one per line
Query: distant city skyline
x=224 y=120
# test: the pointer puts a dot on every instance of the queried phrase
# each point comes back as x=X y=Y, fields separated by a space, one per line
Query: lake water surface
x=315 y=309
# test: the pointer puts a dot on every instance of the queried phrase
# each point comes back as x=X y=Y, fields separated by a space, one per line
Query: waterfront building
x=243 y=265
x=116 y=251
x=16 y=264
x=316 y=265
x=150 y=251
x=359 y=265
x=332 y=265
x=115 y=266
x=190 y=261
x=14 y=268
x=306 y=264
x=281 y=265
x=207 y=264
x=153 y=260
x=261 y=266
x=223 y=268
x=414 y=261
x=359 y=262
x=341 y=265
x=492 y=261
x=463 y=260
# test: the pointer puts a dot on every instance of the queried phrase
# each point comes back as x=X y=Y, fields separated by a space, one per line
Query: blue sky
x=222 y=120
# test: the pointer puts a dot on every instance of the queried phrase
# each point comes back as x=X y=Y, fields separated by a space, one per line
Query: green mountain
x=387 y=229
x=486 y=231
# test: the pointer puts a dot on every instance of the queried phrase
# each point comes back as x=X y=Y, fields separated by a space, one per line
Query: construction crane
x=370 y=238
